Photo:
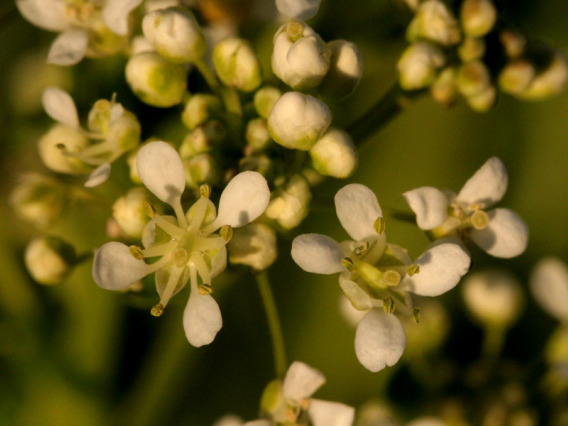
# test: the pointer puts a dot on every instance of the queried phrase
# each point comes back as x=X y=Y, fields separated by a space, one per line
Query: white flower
x=434 y=21
x=500 y=232
x=374 y=273
x=86 y=26
x=186 y=244
x=298 y=9
x=418 y=65
x=66 y=148
x=549 y=286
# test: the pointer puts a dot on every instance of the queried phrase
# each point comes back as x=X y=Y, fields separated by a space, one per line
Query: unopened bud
x=264 y=99
x=516 y=76
x=434 y=21
x=334 y=154
x=202 y=168
x=471 y=49
x=513 y=43
x=551 y=81
x=345 y=69
x=200 y=108
x=478 y=17
x=124 y=133
x=155 y=80
x=260 y=163
x=444 y=89
x=59 y=141
x=175 y=34
x=49 y=260
x=419 y=65
x=290 y=204
x=253 y=245
x=473 y=78
x=257 y=134
x=237 y=65
x=202 y=138
x=129 y=212
x=483 y=101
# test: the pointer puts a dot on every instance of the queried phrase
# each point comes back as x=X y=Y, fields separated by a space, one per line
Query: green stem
x=493 y=340
x=207 y=74
x=280 y=362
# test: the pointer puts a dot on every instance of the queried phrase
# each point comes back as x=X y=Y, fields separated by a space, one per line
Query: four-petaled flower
x=187 y=245
x=374 y=273
x=500 y=232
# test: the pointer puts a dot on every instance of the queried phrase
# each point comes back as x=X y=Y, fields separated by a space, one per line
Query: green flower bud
x=129 y=212
x=264 y=99
x=237 y=64
x=55 y=146
x=257 y=134
x=418 y=65
x=478 y=17
x=516 y=76
x=444 y=89
x=201 y=169
x=200 y=108
x=155 y=80
x=334 y=154
x=49 y=260
x=345 y=69
x=253 y=245
x=175 y=34
x=473 y=78
x=435 y=22
x=290 y=204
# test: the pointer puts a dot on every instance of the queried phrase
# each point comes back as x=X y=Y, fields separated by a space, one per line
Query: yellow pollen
x=479 y=219
x=205 y=289
x=136 y=252
x=150 y=210
x=380 y=225
x=348 y=264
x=415 y=317
x=362 y=249
x=157 y=310
x=102 y=105
x=226 y=232
x=412 y=269
x=388 y=305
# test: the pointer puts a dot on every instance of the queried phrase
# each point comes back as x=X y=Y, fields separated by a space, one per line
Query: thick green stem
x=280 y=362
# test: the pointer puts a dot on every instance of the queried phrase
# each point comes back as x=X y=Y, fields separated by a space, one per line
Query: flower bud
x=260 y=163
x=38 y=199
x=516 y=76
x=124 y=132
x=435 y=22
x=428 y=335
x=418 y=65
x=473 y=78
x=264 y=100
x=444 y=89
x=334 y=154
x=200 y=108
x=175 y=34
x=237 y=65
x=201 y=169
x=55 y=146
x=493 y=297
x=297 y=121
x=484 y=100
x=155 y=80
x=345 y=69
x=513 y=43
x=556 y=351
x=551 y=81
x=253 y=245
x=300 y=57
x=290 y=204
x=202 y=138
x=478 y=17
x=257 y=134
x=49 y=260
x=471 y=49
x=129 y=212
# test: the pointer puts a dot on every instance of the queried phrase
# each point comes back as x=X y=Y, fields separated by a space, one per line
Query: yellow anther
x=380 y=225
x=479 y=219
x=226 y=232
x=136 y=252
x=348 y=264
x=205 y=289
x=391 y=278
x=362 y=249
x=205 y=190
x=415 y=316
x=388 y=305
x=149 y=209
x=295 y=30
x=157 y=310
x=412 y=269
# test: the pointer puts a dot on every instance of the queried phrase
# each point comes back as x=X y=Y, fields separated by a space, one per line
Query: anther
x=136 y=252
x=415 y=316
x=380 y=225
x=157 y=310
x=388 y=305
x=412 y=269
x=150 y=210
x=226 y=232
x=362 y=249
x=348 y=264
x=205 y=289
x=205 y=190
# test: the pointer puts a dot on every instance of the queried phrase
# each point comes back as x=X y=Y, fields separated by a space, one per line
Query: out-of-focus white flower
x=264 y=100
x=374 y=273
x=236 y=64
x=549 y=286
x=87 y=27
x=345 y=69
x=419 y=65
x=200 y=108
x=49 y=260
x=129 y=211
x=500 y=232
x=478 y=17
x=187 y=245
x=435 y=22
x=550 y=81
x=289 y=205
x=253 y=245
x=298 y=9
x=300 y=57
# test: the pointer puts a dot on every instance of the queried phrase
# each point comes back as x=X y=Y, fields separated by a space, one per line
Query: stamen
x=160 y=249
x=362 y=249
x=157 y=310
x=136 y=252
x=412 y=269
x=348 y=264
x=178 y=209
x=209 y=243
x=171 y=285
x=202 y=268
x=205 y=190
x=205 y=289
x=391 y=278
x=149 y=209
x=380 y=225
x=175 y=231
x=415 y=317
x=197 y=215
x=226 y=232
x=389 y=305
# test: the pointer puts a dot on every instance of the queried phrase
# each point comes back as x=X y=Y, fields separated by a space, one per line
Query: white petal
x=549 y=285
x=326 y=413
x=115 y=268
x=357 y=209
x=201 y=319
x=430 y=205
x=261 y=422
x=59 y=105
x=357 y=296
x=441 y=268
x=47 y=14
x=317 y=253
x=68 y=48
x=243 y=200
x=487 y=186
x=506 y=235
x=160 y=168
x=298 y=9
x=98 y=176
x=301 y=381
x=115 y=14
x=380 y=340
x=219 y=262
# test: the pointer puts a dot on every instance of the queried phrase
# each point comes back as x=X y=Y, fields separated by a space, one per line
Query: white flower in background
x=186 y=245
x=419 y=64
x=374 y=273
x=49 y=260
x=500 y=232
x=345 y=69
x=549 y=286
x=67 y=149
x=87 y=27
x=298 y=9
x=434 y=21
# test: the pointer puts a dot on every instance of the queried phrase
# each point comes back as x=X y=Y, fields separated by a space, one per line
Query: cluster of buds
x=472 y=57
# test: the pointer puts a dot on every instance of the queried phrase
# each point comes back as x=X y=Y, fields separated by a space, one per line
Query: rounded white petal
x=357 y=209
x=301 y=381
x=487 y=186
x=327 y=413
x=115 y=268
x=356 y=295
x=59 y=105
x=430 y=205
x=317 y=253
x=298 y=9
x=380 y=340
x=549 y=286
x=244 y=199
x=506 y=235
x=98 y=176
x=68 y=48
x=160 y=168
x=441 y=268
x=201 y=319
x=115 y=14
x=47 y=14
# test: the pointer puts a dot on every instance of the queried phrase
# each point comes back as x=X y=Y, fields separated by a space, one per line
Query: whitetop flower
x=500 y=232
x=549 y=286
x=87 y=27
x=187 y=245
x=67 y=149
x=374 y=273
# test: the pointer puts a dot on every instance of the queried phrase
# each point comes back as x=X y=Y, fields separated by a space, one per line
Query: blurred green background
x=76 y=354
